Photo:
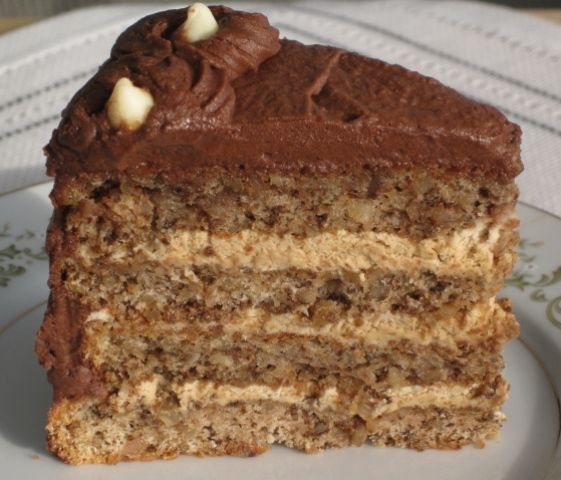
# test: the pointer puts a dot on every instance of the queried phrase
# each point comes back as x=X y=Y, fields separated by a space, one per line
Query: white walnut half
x=128 y=106
x=200 y=23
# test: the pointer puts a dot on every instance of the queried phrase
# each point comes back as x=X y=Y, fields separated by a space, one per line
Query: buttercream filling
x=205 y=393
x=373 y=328
x=331 y=399
x=483 y=320
x=465 y=250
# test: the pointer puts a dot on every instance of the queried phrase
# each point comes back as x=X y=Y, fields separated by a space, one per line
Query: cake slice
x=256 y=241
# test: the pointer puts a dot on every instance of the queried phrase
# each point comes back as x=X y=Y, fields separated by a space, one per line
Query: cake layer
x=323 y=412
x=489 y=327
x=414 y=203
x=374 y=290
x=88 y=432
x=475 y=249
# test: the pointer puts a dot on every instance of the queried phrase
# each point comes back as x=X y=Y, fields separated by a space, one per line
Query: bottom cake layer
x=204 y=418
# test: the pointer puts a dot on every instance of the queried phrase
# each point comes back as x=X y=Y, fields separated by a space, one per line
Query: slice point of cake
x=256 y=241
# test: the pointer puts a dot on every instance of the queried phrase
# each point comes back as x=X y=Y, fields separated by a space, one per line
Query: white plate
x=528 y=449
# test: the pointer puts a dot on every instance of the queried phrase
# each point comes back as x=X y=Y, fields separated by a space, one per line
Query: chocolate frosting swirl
x=191 y=82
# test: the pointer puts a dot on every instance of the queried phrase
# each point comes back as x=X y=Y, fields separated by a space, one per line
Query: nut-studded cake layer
x=154 y=426
x=315 y=294
x=412 y=204
x=146 y=299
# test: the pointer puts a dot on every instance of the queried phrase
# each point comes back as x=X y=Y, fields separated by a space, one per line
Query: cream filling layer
x=375 y=329
x=482 y=321
x=208 y=393
x=465 y=250
x=394 y=399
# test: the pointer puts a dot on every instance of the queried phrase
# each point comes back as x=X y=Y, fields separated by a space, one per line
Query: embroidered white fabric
x=490 y=53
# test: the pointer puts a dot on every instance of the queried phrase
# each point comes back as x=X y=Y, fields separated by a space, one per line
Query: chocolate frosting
x=58 y=344
x=243 y=101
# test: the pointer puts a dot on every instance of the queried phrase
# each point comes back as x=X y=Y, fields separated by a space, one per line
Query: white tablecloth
x=492 y=54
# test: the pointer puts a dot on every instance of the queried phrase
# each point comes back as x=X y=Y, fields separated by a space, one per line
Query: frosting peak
x=190 y=82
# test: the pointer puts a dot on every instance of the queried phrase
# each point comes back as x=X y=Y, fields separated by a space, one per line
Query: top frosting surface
x=246 y=101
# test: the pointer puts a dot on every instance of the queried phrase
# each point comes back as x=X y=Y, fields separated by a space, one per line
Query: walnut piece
x=128 y=106
x=200 y=23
